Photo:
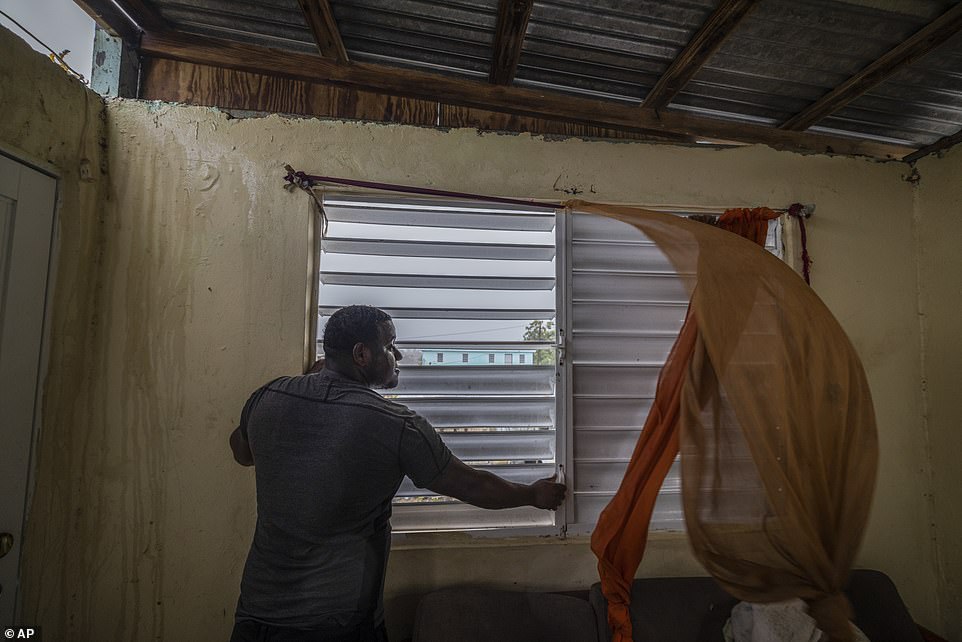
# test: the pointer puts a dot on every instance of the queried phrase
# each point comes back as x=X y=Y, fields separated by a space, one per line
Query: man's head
x=359 y=342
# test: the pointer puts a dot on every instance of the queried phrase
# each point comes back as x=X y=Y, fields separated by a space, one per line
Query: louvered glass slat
x=436 y=281
x=606 y=476
x=449 y=313
x=626 y=349
x=422 y=213
x=624 y=257
x=457 y=517
x=466 y=379
x=519 y=445
x=611 y=413
x=643 y=288
x=603 y=380
x=627 y=317
x=438 y=249
x=484 y=411
x=668 y=513
x=607 y=444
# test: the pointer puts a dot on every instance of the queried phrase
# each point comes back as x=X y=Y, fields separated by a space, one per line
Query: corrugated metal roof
x=783 y=56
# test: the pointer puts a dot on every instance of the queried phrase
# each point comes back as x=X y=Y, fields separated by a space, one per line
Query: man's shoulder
x=324 y=389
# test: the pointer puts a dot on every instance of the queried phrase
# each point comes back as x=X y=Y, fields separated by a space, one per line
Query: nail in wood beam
x=697 y=52
x=320 y=19
x=919 y=44
x=111 y=19
x=937 y=146
x=513 y=18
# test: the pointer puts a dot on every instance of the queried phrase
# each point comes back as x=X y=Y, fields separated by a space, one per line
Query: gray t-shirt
x=329 y=454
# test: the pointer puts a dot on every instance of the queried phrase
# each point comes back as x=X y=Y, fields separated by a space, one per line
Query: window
x=481 y=279
x=458 y=278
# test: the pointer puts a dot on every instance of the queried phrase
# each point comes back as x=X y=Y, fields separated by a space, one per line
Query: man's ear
x=362 y=354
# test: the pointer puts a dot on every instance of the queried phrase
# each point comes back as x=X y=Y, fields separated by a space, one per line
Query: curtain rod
x=307 y=181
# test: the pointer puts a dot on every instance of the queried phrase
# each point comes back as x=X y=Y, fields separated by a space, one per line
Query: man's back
x=329 y=454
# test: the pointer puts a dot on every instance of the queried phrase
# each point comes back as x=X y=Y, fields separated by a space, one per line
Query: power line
x=58 y=58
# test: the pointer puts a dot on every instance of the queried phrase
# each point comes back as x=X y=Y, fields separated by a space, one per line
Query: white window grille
x=475 y=278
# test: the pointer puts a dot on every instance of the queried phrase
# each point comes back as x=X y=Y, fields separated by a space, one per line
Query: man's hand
x=548 y=493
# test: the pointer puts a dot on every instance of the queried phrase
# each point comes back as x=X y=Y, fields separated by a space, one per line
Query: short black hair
x=352 y=325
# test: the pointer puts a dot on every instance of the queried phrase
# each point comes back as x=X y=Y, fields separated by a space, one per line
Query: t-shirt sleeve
x=248 y=408
x=422 y=454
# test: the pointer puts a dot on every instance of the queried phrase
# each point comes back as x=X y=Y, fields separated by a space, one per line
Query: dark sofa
x=675 y=609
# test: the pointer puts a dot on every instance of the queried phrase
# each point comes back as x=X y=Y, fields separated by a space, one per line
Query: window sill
x=506 y=538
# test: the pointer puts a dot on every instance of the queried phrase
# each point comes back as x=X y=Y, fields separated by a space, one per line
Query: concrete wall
x=188 y=291
x=54 y=122
x=939 y=234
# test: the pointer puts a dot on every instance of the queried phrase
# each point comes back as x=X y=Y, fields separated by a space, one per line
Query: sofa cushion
x=694 y=609
x=488 y=615
x=670 y=609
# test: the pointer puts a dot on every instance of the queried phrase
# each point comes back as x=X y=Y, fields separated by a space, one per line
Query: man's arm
x=241 y=449
x=485 y=490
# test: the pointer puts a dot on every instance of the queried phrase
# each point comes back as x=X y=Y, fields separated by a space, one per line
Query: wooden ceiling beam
x=515 y=100
x=111 y=19
x=509 y=34
x=937 y=146
x=919 y=44
x=698 y=51
x=320 y=19
x=144 y=14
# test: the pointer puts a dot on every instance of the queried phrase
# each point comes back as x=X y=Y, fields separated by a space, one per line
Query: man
x=329 y=453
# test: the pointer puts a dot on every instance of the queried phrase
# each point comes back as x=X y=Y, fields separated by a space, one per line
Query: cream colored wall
x=940 y=277
x=56 y=123
x=202 y=299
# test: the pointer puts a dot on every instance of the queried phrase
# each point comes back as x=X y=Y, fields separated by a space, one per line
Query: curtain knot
x=833 y=612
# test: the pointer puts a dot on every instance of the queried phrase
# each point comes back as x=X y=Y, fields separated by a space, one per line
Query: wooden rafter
x=937 y=146
x=698 y=51
x=320 y=19
x=516 y=100
x=919 y=44
x=144 y=14
x=111 y=19
x=513 y=18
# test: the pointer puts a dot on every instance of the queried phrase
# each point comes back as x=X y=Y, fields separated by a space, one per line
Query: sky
x=61 y=24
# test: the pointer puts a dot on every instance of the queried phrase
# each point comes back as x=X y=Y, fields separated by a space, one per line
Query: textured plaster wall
x=53 y=121
x=940 y=293
x=200 y=297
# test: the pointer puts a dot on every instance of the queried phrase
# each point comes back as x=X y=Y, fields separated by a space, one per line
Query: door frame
x=28 y=160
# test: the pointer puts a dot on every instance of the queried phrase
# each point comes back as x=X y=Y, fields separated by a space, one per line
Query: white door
x=27 y=200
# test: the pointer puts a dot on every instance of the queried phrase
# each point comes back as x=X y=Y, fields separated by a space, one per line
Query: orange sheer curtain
x=768 y=401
